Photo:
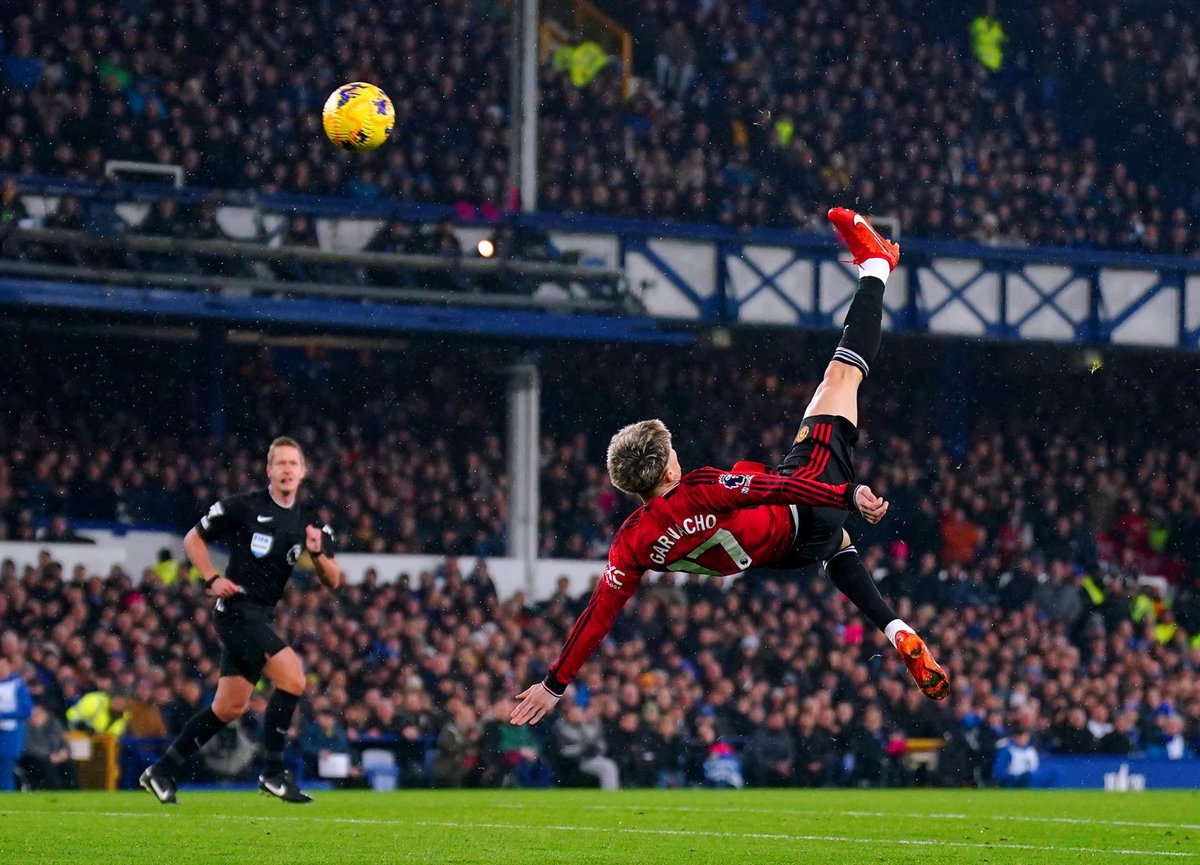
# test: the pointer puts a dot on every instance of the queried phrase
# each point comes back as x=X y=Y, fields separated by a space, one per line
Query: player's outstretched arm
x=727 y=490
x=616 y=587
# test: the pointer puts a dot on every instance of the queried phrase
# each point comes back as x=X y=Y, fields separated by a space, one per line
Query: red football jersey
x=712 y=522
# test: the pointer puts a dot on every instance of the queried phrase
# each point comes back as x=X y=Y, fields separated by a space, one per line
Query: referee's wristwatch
x=208 y=581
x=317 y=554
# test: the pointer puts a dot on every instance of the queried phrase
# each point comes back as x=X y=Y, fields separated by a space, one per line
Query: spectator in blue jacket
x=15 y=706
x=1018 y=763
x=322 y=737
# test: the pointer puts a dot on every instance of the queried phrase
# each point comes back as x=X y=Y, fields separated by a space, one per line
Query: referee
x=266 y=530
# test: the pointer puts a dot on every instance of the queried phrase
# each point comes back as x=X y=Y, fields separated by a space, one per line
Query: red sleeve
x=728 y=490
x=617 y=585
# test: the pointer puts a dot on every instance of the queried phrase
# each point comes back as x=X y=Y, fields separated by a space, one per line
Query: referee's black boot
x=160 y=784
x=282 y=786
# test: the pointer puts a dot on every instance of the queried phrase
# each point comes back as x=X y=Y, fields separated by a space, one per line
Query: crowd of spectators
x=744 y=115
x=407 y=450
x=395 y=465
x=1026 y=518
x=769 y=680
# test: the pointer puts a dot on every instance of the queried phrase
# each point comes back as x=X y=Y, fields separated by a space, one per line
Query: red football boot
x=861 y=238
x=926 y=672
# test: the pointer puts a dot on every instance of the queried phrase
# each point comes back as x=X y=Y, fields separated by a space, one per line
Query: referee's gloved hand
x=871 y=506
x=223 y=587
x=314 y=540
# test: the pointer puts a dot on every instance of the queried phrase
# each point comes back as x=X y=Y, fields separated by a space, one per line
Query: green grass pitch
x=828 y=827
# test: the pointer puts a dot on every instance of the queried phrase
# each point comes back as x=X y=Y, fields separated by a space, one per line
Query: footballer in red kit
x=718 y=522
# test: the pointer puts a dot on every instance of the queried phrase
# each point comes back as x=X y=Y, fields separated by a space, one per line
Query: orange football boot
x=928 y=674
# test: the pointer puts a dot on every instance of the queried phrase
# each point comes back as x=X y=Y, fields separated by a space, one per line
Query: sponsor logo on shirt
x=613 y=577
x=260 y=544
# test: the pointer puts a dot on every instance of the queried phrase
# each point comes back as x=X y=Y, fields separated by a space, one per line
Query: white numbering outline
x=725 y=539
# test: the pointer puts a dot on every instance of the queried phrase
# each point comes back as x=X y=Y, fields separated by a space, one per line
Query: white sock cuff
x=876 y=267
x=894 y=627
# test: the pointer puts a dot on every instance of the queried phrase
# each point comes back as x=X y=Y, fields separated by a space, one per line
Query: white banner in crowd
x=135 y=551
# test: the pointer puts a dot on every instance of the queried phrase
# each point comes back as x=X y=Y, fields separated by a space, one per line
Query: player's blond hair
x=638 y=455
x=284 y=442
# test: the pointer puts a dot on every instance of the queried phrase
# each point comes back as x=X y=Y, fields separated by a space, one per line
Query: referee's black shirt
x=265 y=541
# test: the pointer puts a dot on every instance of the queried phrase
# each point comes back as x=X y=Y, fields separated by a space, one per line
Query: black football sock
x=280 y=709
x=864 y=326
x=846 y=570
x=199 y=728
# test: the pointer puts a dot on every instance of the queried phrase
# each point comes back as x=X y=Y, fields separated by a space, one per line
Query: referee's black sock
x=276 y=723
x=846 y=570
x=199 y=728
x=864 y=326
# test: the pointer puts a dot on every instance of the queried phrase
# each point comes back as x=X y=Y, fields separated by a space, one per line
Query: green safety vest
x=784 y=130
x=987 y=41
x=1094 y=590
x=582 y=62
x=93 y=711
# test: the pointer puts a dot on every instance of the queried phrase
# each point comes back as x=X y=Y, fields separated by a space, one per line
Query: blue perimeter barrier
x=1122 y=773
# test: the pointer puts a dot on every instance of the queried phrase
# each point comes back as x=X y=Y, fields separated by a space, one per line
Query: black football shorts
x=823 y=451
x=248 y=637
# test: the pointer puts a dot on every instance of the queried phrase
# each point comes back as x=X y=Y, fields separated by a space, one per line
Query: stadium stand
x=1048 y=547
x=772 y=670
x=409 y=473
x=1021 y=540
x=754 y=117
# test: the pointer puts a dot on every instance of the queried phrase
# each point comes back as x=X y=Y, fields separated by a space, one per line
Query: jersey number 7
x=725 y=538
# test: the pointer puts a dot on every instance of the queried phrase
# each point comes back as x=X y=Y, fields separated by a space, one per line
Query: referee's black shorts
x=823 y=451
x=248 y=637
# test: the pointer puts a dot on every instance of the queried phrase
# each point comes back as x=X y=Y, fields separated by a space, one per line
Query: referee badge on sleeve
x=260 y=544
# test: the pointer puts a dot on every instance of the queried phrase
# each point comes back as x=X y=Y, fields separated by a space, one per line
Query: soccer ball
x=358 y=117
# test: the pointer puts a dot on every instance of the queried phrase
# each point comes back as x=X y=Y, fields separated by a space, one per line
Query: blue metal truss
x=1048 y=300
x=1099 y=325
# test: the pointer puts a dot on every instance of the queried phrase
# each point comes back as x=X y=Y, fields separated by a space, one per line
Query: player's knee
x=228 y=709
x=292 y=681
x=839 y=374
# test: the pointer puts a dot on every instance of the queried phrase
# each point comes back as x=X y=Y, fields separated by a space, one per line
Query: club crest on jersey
x=260 y=544
x=294 y=554
x=802 y=435
x=734 y=482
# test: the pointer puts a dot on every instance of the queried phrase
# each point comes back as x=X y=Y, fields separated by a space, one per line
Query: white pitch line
x=627 y=830
x=1083 y=821
x=780 y=836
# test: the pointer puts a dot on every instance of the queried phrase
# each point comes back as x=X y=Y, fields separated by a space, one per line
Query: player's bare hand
x=223 y=587
x=536 y=701
x=312 y=539
x=871 y=506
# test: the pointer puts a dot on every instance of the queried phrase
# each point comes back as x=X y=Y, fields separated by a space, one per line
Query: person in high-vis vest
x=97 y=712
x=987 y=42
x=15 y=707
